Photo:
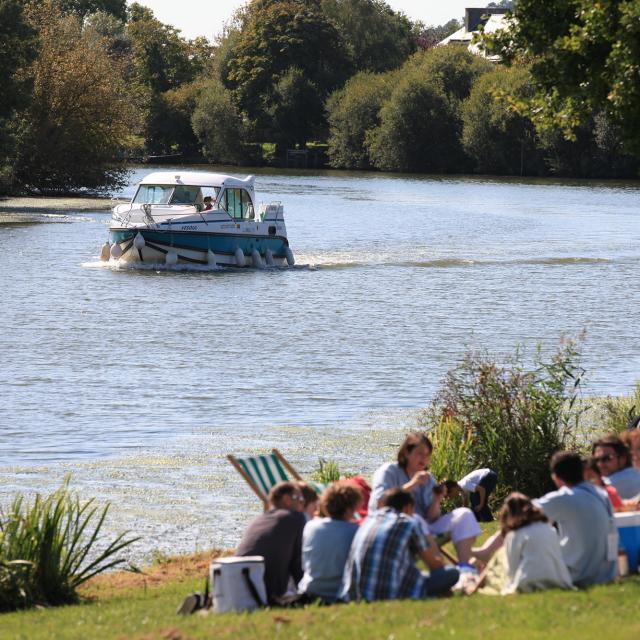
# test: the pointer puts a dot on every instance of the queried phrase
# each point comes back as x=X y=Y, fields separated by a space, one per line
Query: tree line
x=90 y=84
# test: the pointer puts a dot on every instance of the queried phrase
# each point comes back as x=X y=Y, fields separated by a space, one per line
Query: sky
x=207 y=17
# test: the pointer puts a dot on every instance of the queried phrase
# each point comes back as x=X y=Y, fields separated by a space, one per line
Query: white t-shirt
x=472 y=480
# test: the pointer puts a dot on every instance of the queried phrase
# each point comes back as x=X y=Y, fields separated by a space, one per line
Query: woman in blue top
x=410 y=473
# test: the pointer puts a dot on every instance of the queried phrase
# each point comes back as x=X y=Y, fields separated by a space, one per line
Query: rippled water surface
x=139 y=381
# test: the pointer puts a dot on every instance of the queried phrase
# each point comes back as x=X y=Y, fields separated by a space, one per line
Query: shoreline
x=36 y=208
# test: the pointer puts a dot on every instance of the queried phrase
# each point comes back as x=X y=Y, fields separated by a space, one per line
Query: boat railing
x=271 y=211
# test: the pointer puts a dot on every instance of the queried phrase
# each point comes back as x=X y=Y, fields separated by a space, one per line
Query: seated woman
x=532 y=548
x=410 y=473
x=326 y=542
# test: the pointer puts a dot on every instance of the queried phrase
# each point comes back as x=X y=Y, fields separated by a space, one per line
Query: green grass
x=600 y=613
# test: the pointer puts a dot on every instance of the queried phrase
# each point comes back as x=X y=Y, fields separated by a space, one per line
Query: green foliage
x=513 y=417
x=219 y=125
x=495 y=135
x=377 y=37
x=276 y=36
x=83 y=8
x=418 y=129
x=353 y=111
x=327 y=471
x=613 y=413
x=431 y=35
x=584 y=59
x=451 y=449
x=50 y=547
x=76 y=126
x=296 y=109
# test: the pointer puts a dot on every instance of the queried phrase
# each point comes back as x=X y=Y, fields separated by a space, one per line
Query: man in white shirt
x=476 y=488
x=583 y=515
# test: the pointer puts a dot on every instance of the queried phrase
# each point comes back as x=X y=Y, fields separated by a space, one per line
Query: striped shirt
x=381 y=563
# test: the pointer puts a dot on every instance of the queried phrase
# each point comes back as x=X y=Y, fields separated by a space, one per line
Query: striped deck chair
x=262 y=472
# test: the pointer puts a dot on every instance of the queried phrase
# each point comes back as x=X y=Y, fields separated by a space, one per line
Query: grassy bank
x=127 y=605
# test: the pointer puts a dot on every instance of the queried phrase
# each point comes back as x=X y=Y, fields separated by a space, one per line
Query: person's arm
x=432 y=559
x=434 y=510
x=295 y=566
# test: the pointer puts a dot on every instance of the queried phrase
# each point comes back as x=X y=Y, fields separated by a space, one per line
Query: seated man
x=277 y=536
x=382 y=559
x=476 y=488
x=326 y=542
x=614 y=459
x=584 y=517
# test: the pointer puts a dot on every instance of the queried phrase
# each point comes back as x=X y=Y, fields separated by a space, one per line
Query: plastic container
x=628 y=525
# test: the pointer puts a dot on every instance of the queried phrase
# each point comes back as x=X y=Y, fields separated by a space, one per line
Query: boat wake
x=115 y=265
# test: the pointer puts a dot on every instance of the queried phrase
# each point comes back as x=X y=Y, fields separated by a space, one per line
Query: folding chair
x=262 y=472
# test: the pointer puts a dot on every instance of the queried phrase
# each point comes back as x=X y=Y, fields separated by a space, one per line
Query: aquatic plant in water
x=50 y=547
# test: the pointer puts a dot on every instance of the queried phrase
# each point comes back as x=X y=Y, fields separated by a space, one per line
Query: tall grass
x=510 y=417
x=50 y=547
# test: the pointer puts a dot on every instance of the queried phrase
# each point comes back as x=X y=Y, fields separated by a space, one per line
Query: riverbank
x=38 y=209
x=142 y=605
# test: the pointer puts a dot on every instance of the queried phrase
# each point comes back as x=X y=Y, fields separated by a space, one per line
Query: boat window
x=237 y=202
x=153 y=194
x=185 y=195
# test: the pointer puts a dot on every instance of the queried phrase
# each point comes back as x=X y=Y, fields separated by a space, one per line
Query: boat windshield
x=153 y=194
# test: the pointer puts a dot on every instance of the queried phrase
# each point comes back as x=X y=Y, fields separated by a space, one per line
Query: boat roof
x=197 y=179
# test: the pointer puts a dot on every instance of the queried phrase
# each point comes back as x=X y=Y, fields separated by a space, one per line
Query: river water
x=138 y=382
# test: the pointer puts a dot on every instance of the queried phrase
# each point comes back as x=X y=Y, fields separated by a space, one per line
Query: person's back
x=326 y=542
x=277 y=536
x=534 y=559
x=325 y=548
x=381 y=564
x=584 y=518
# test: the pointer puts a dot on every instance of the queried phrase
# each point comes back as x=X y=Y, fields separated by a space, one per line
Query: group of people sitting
x=316 y=548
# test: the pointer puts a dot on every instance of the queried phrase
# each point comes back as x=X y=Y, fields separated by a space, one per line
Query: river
x=138 y=382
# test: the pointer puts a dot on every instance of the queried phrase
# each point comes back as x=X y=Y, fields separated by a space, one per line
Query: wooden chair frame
x=249 y=480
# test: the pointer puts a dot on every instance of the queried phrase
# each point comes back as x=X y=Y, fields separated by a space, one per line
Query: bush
x=49 y=548
x=613 y=414
x=507 y=417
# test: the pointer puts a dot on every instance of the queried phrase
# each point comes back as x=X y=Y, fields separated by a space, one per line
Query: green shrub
x=50 y=547
x=613 y=413
x=327 y=471
x=506 y=417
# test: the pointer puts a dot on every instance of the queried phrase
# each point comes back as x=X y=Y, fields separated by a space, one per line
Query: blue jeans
x=439 y=581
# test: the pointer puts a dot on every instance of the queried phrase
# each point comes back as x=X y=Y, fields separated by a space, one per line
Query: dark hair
x=567 y=466
x=397 y=498
x=518 y=511
x=616 y=444
x=338 y=499
x=592 y=465
x=451 y=484
x=279 y=491
x=308 y=492
x=413 y=440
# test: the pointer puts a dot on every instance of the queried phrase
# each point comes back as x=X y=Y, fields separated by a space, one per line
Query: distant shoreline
x=32 y=208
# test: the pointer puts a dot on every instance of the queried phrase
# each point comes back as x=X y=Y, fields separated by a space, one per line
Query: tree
x=430 y=36
x=218 y=125
x=18 y=47
x=584 y=59
x=353 y=111
x=83 y=8
x=378 y=37
x=275 y=36
x=495 y=135
x=77 y=125
x=162 y=63
x=418 y=129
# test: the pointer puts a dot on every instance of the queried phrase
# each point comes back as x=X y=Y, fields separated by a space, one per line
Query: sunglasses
x=606 y=458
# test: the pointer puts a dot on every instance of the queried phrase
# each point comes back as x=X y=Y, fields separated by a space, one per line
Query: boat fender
x=116 y=250
x=211 y=258
x=105 y=252
x=138 y=241
x=256 y=259
x=171 y=258
x=268 y=256
x=289 y=255
x=240 y=261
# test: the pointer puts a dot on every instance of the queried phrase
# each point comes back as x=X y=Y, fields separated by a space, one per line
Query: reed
x=50 y=547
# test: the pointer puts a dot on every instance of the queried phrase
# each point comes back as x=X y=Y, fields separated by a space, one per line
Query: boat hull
x=196 y=248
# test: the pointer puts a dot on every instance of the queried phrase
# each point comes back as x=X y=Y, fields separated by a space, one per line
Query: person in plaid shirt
x=382 y=559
